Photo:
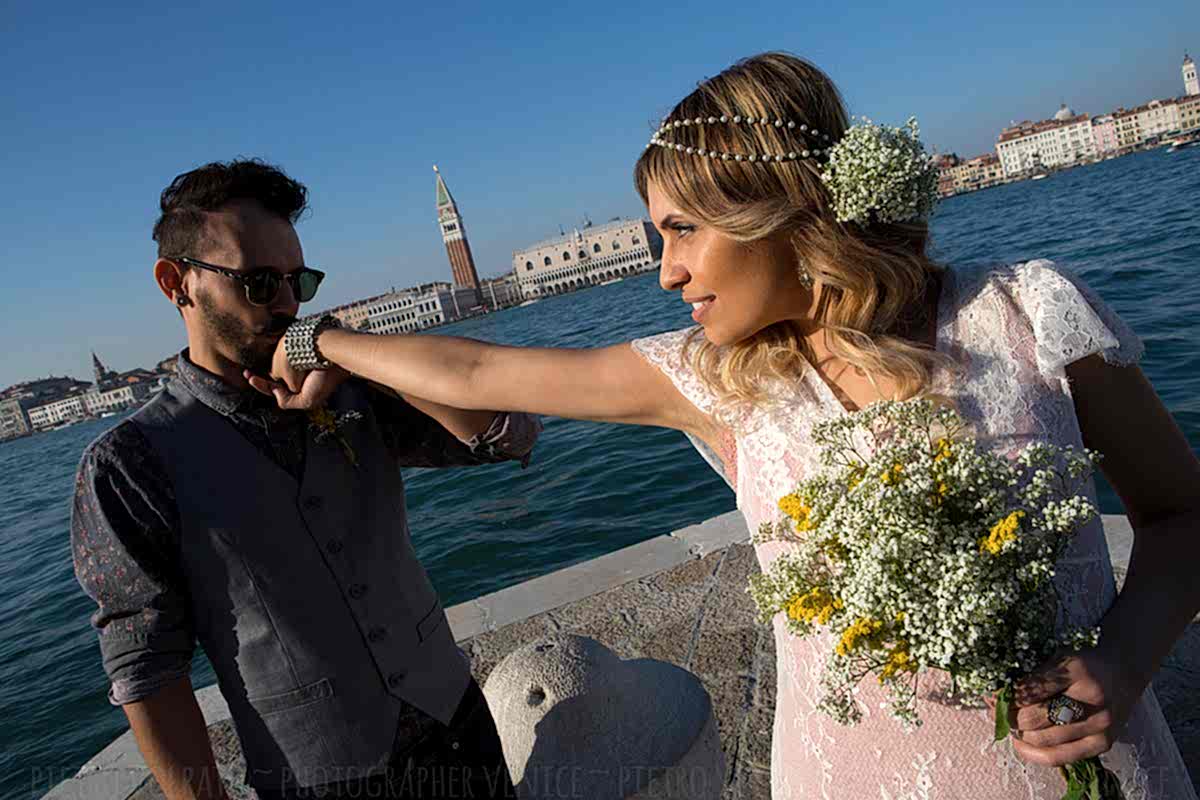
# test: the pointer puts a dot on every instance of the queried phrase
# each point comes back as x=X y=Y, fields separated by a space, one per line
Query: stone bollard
x=576 y=721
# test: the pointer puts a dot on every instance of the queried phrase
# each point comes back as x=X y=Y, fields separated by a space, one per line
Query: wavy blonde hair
x=873 y=278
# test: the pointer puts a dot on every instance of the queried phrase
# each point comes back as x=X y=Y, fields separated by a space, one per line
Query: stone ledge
x=679 y=598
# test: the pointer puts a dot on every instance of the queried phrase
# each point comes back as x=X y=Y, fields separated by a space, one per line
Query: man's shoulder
x=122 y=443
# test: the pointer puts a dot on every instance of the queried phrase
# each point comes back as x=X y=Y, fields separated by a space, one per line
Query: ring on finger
x=1063 y=710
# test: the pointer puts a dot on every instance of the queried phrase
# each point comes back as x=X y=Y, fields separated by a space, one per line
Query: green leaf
x=1074 y=787
x=1094 y=786
x=1003 y=700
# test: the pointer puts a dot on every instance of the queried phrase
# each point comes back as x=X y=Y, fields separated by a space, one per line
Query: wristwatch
x=300 y=342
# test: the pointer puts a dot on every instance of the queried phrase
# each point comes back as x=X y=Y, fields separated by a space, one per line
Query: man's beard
x=239 y=341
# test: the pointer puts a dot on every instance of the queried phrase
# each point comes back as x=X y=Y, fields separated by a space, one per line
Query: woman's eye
x=683 y=230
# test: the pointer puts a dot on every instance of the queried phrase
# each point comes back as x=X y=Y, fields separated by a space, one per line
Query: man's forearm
x=173 y=738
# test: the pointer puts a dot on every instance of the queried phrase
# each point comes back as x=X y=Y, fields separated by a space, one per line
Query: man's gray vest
x=308 y=598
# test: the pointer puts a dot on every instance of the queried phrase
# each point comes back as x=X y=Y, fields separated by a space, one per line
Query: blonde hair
x=873 y=278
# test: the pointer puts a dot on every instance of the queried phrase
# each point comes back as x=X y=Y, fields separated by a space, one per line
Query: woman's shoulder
x=974 y=280
x=667 y=350
x=1066 y=316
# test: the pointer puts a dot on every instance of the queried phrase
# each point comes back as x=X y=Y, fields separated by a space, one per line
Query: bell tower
x=1190 y=83
x=462 y=265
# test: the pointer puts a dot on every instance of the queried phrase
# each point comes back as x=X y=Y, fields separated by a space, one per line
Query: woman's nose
x=671 y=275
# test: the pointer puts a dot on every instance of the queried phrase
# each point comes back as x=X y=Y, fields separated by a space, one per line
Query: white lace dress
x=1014 y=329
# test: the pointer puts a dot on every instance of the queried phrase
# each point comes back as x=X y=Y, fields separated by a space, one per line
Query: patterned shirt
x=125 y=526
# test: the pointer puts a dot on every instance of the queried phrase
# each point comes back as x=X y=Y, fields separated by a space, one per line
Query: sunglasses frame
x=245 y=276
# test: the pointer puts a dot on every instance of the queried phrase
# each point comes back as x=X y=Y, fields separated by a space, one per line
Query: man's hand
x=295 y=389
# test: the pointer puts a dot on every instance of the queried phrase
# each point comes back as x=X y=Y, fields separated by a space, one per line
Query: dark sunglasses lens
x=309 y=281
x=262 y=287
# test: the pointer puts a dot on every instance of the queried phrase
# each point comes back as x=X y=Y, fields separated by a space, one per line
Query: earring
x=806 y=278
x=181 y=301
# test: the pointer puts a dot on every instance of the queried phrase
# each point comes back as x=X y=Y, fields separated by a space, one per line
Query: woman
x=809 y=307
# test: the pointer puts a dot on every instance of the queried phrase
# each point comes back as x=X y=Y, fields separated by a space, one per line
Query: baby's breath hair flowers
x=881 y=174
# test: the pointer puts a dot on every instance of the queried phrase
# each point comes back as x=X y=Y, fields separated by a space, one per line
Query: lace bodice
x=1012 y=329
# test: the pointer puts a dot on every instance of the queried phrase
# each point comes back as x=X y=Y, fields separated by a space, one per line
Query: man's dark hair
x=181 y=226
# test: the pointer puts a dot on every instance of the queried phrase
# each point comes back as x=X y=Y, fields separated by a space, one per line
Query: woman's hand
x=1100 y=682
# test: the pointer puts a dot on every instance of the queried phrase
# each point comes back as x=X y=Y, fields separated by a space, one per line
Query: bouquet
x=918 y=549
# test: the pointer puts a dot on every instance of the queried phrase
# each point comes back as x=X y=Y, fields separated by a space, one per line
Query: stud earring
x=181 y=301
x=806 y=278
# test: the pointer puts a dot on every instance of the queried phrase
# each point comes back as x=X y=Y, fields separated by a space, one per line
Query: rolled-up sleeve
x=511 y=436
x=125 y=551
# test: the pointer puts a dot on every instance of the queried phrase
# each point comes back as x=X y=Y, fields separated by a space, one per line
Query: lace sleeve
x=666 y=351
x=1071 y=321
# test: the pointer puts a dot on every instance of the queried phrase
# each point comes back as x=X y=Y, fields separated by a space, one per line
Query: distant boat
x=1179 y=144
x=528 y=302
x=1038 y=177
x=611 y=280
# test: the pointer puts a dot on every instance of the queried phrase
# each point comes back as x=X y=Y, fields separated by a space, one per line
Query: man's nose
x=285 y=300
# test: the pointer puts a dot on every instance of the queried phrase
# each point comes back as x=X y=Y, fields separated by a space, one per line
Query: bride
x=813 y=296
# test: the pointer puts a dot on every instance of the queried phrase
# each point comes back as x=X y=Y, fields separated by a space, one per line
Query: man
x=277 y=539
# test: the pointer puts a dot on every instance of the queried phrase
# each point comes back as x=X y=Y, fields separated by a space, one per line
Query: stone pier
x=679 y=598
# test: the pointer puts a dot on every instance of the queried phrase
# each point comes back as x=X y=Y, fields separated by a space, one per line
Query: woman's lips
x=700 y=308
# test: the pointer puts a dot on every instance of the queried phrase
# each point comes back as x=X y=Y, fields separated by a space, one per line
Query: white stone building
x=418 y=308
x=1063 y=141
x=1191 y=84
x=587 y=256
x=51 y=414
x=1158 y=117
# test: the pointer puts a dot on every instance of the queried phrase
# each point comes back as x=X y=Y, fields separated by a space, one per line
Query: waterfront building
x=945 y=162
x=1158 y=117
x=14 y=421
x=354 y=315
x=420 y=307
x=1064 y=141
x=1129 y=132
x=67 y=409
x=454 y=235
x=501 y=292
x=1104 y=133
x=587 y=257
x=979 y=172
x=119 y=397
x=1190 y=84
x=1189 y=112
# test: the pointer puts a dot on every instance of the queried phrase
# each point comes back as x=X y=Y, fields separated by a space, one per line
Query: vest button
x=358 y=590
x=334 y=545
x=376 y=635
x=395 y=679
x=313 y=502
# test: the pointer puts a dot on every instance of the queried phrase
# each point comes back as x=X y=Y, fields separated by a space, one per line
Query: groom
x=278 y=540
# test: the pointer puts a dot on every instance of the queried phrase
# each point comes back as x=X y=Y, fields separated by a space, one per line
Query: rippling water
x=1129 y=226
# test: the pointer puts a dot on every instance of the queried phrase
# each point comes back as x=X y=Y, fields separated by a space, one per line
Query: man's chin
x=257 y=359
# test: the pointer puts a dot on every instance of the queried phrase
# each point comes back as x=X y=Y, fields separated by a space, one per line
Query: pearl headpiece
x=822 y=139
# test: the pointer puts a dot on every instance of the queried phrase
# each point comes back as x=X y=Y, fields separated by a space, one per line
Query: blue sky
x=535 y=114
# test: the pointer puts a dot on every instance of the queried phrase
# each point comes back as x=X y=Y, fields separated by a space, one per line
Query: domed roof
x=1186 y=59
x=1064 y=113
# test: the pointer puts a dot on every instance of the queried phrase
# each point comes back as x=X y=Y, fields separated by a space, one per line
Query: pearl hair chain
x=740 y=120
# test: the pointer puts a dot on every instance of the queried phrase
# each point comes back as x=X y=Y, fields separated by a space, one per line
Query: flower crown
x=873 y=173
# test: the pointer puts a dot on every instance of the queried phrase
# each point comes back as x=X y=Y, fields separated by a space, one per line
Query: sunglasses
x=262 y=284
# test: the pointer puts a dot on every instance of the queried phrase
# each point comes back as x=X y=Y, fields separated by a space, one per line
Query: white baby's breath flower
x=881 y=174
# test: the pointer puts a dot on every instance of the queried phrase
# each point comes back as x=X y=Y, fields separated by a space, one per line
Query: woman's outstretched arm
x=607 y=384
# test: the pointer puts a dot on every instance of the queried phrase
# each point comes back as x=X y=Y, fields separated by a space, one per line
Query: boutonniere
x=328 y=424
